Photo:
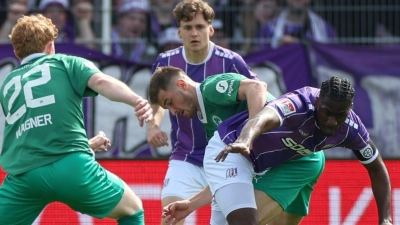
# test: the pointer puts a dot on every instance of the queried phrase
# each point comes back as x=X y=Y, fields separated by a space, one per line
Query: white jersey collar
x=210 y=52
x=202 y=113
x=31 y=57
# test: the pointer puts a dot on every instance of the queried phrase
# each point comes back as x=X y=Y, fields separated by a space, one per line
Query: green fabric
x=42 y=101
x=291 y=183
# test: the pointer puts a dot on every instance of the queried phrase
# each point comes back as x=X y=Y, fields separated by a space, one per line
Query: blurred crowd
x=141 y=29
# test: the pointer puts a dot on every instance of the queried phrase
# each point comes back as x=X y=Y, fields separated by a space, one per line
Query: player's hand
x=143 y=111
x=156 y=137
x=100 y=142
x=176 y=211
x=239 y=147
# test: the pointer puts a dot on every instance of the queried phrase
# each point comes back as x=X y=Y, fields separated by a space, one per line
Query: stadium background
x=343 y=194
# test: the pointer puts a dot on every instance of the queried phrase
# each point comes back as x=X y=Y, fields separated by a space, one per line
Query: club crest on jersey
x=231 y=172
x=286 y=106
x=216 y=120
x=367 y=152
x=222 y=86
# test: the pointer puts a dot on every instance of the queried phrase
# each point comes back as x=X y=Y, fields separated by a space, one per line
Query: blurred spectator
x=82 y=10
x=59 y=13
x=219 y=37
x=229 y=12
x=169 y=39
x=256 y=14
x=129 y=34
x=161 y=16
x=15 y=9
x=297 y=23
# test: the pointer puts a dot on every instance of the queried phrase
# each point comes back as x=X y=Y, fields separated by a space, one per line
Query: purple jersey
x=298 y=134
x=187 y=135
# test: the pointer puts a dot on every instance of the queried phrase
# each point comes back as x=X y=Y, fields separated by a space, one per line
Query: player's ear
x=182 y=84
x=179 y=33
x=211 y=30
x=49 y=48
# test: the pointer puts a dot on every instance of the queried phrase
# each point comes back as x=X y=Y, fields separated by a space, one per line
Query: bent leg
x=93 y=190
x=267 y=207
x=286 y=218
x=237 y=202
x=290 y=184
x=182 y=181
x=20 y=202
x=129 y=204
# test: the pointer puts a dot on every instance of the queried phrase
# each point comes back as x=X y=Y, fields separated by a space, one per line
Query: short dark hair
x=338 y=89
x=161 y=80
x=187 y=9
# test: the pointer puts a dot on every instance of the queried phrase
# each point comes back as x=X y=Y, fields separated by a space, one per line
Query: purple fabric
x=298 y=131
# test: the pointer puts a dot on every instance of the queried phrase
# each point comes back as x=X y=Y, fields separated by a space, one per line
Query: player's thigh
x=19 y=203
x=237 y=203
x=85 y=186
x=267 y=207
x=300 y=205
x=285 y=182
x=285 y=218
x=235 y=169
x=182 y=180
x=129 y=204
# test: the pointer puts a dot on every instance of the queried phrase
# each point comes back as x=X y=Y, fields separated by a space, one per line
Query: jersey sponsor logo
x=293 y=145
x=286 y=106
x=222 y=86
x=367 y=152
x=216 y=120
x=231 y=172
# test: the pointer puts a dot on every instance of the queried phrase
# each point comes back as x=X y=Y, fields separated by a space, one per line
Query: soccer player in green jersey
x=214 y=100
x=45 y=149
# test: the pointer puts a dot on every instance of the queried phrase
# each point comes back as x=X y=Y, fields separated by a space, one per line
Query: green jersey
x=217 y=97
x=42 y=102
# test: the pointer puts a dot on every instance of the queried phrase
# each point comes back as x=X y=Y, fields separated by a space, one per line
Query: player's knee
x=135 y=219
x=248 y=216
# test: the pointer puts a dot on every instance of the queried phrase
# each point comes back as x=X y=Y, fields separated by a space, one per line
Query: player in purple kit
x=300 y=123
x=200 y=58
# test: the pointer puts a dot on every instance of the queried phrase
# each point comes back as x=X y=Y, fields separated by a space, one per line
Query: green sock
x=135 y=219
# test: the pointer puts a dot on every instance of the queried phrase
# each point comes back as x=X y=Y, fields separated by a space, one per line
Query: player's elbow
x=98 y=82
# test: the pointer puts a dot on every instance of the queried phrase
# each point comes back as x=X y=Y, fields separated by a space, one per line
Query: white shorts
x=235 y=169
x=183 y=180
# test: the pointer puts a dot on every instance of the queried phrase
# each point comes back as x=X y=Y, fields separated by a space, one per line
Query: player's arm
x=155 y=136
x=179 y=210
x=255 y=92
x=381 y=187
x=118 y=91
x=266 y=120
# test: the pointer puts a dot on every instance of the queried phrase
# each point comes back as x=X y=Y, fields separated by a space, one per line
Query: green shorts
x=291 y=183
x=76 y=180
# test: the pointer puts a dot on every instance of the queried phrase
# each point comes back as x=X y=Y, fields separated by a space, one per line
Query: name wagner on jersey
x=37 y=121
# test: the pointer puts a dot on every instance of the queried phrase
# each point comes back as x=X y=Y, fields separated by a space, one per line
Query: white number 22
x=31 y=102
